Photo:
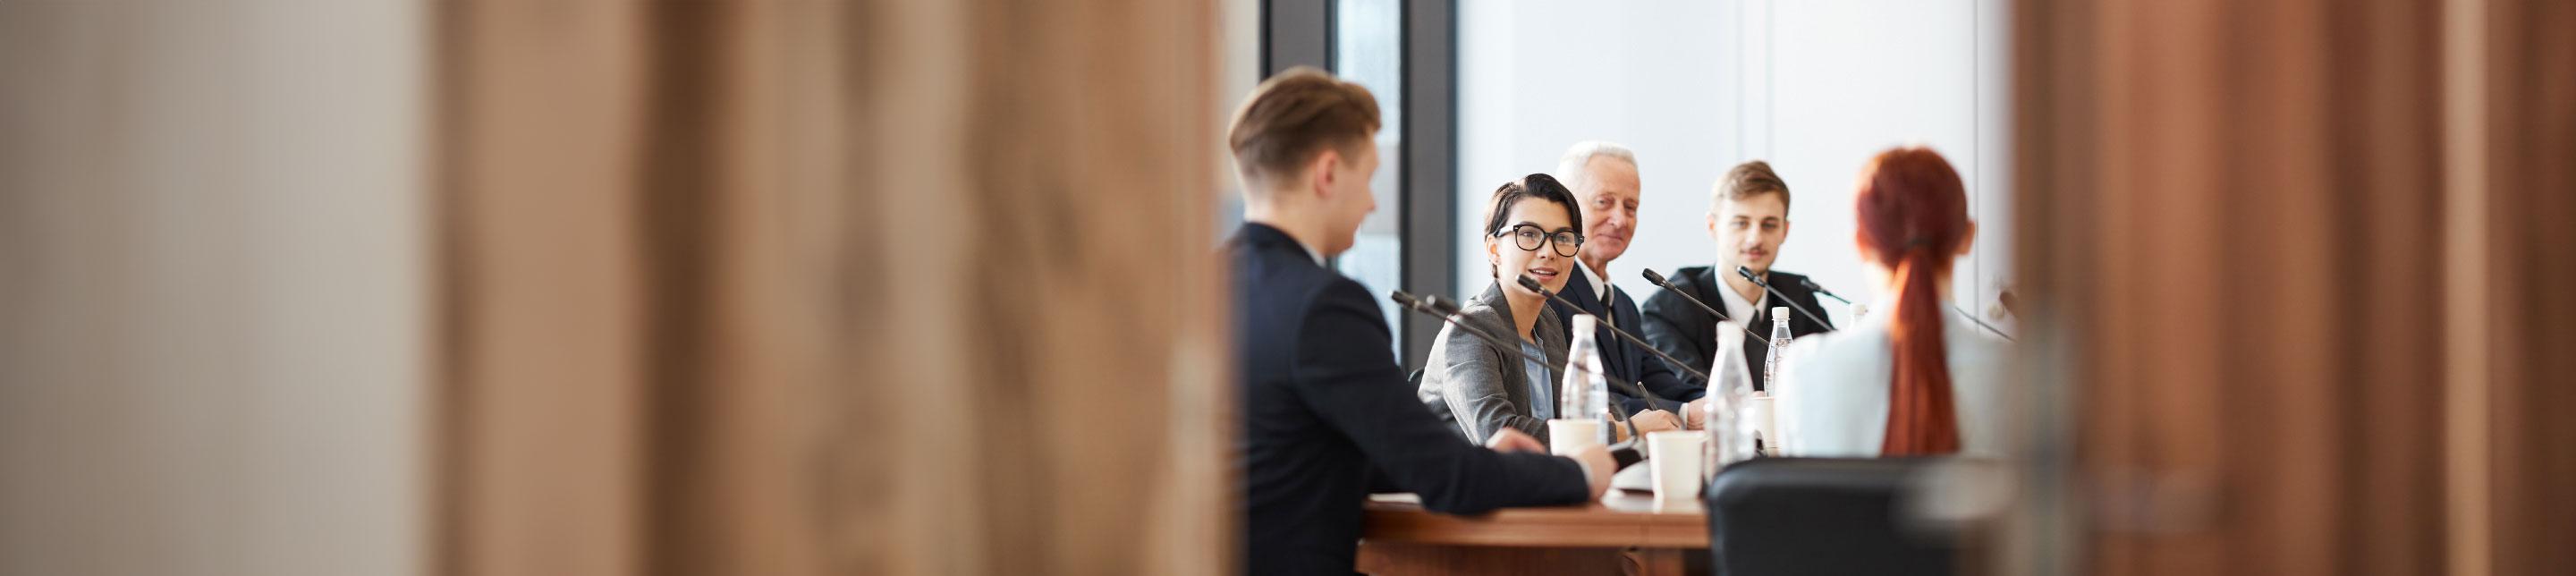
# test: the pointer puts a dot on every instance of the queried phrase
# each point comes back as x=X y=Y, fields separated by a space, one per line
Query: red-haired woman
x=1916 y=377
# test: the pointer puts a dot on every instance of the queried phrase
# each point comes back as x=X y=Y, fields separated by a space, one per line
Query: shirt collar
x=1732 y=302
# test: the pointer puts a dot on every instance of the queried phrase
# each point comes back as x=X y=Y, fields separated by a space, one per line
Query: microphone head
x=1405 y=301
x=1811 y=286
x=1653 y=278
x=1439 y=305
x=1532 y=284
x=1747 y=273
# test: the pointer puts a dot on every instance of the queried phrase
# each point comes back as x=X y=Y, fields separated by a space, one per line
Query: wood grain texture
x=1622 y=533
x=2531 y=147
x=1618 y=521
x=1391 y=559
x=542 y=305
x=862 y=287
x=2234 y=215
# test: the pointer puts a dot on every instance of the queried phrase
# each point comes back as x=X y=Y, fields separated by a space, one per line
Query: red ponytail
x=1913 y=214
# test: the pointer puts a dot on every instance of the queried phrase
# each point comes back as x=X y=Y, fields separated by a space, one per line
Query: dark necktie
x=1610 y=307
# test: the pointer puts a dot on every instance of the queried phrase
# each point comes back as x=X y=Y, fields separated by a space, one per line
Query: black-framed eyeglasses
x=1528 y=237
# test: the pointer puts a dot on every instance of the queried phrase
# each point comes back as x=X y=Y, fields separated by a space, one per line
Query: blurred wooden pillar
x=2235 y=219
x=1039 y=345
x=538 y=122
x=2527 y=108
x=831 y=287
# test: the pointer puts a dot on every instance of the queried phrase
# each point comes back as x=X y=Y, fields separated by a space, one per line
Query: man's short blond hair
x=1748 y=180
x=1292 y=116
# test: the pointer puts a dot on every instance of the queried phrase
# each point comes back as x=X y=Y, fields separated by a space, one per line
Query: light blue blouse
x=1542 y=391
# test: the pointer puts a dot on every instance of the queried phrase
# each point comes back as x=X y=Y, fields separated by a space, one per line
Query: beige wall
x=212 y=288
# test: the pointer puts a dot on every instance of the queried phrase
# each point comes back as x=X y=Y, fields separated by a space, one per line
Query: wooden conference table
x=1623 y=533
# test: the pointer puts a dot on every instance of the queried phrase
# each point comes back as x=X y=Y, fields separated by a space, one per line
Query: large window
x=1400 y=50
x=1368 y=41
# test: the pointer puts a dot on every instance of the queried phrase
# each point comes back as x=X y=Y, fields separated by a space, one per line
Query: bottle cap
x=1780 y=313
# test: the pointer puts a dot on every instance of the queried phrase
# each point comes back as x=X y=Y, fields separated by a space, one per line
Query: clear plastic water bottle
x=1779 y=345
x=1770 y=382
x=1583 y=393
x=1730 y=388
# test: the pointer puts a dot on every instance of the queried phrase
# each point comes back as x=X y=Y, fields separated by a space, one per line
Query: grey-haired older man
x=1604 y=179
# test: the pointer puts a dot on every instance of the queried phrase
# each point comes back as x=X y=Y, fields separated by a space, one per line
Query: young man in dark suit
x=1324 y=406
x=1604 y=179
x=1749 y=218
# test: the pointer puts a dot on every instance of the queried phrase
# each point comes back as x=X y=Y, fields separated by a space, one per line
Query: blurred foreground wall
x=829 y=288
x=214 y=287
x=543 y=288
x=2302 y=274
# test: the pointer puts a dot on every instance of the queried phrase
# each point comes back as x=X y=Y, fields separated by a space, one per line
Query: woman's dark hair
x=1538 y=186
x=1913 y=214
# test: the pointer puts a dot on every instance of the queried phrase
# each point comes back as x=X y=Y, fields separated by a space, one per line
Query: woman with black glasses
x=1530 y=230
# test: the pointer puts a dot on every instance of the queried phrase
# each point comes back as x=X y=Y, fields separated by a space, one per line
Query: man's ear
x=1712 y=225
x=1320 y=173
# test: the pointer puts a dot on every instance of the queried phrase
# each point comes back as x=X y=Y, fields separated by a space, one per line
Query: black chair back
x=1797 y=516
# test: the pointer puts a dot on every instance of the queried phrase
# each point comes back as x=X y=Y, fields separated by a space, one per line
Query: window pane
x=1367 y=48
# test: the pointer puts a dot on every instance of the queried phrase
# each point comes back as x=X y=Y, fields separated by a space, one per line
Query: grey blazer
x=1478 y=388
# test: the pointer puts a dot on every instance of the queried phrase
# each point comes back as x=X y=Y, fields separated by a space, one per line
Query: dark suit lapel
x=1707 y=288
x=1620 y=359
x=1579 y=291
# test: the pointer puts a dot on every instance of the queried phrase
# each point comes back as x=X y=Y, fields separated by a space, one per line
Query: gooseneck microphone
x=1748 y=274
x=1447 y=311
x=1658 y=281
x=1533 y=286
x=1972 y=319
x=1810 y=285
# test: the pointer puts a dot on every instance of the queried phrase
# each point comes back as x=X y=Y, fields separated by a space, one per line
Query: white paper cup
x=1766 y=420
x=1676 y=463
x=1565 y=436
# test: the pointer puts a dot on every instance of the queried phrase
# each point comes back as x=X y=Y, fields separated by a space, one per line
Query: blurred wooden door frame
x=541 y=402
x=2525 y=146
x=2259 y=235
x=833 y=287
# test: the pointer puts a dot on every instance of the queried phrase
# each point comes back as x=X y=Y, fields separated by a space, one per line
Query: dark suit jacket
x=1624 y=360
x=1686 y=332
x=1323 y=403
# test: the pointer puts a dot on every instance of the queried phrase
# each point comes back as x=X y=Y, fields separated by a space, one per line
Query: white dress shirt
x=1831 y=400
x=1743 y=312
